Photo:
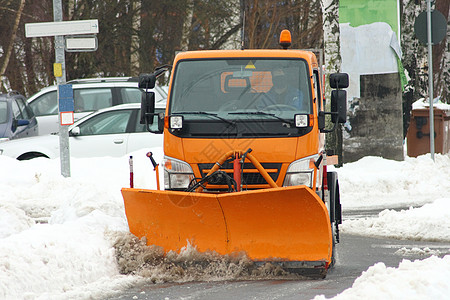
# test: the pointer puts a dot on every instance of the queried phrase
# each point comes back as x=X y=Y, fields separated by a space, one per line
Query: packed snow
x=62 y=238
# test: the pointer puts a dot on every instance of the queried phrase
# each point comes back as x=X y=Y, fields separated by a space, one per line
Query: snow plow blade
x=287 y=226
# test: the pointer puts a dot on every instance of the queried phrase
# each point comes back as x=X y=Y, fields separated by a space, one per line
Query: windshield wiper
x=206 y=114
x=261 y=113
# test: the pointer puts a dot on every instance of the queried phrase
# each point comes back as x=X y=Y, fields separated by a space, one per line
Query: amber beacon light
x=285 y=39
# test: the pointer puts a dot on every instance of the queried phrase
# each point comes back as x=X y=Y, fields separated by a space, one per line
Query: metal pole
x=242 y=5
x=60 y=58
x=430 y=78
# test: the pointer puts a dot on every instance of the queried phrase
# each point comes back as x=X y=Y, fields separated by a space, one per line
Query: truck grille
x=250 y=175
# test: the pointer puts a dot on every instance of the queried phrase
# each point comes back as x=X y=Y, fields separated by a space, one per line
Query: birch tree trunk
x=330 y=11
x=187 y=25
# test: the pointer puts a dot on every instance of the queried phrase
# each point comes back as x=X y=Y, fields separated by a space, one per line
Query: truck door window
x=317 y=91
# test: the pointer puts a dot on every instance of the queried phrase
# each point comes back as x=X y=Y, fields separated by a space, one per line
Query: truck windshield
x=279 y=87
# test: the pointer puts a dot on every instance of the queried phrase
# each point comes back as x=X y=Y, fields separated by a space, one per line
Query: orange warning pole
x=155 y=168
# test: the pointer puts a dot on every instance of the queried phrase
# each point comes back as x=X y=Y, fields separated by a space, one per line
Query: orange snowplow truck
x=244 y=159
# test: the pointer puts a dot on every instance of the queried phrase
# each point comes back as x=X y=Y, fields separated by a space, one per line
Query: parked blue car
x=17 y=119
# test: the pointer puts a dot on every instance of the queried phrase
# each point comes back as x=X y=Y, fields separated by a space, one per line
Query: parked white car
x=89 y=95
x=113 y=131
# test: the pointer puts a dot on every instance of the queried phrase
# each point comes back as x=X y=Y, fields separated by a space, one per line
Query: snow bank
x=374 y=182
x=57 y=234
x=423 y=223
x=420 y=279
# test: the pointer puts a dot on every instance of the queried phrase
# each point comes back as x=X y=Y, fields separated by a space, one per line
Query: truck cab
x=264 y=100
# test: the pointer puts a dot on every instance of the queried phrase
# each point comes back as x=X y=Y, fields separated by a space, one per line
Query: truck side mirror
x=339 y=80
x=321 y=120
x=161 y=123
x=338 y=102
x=147 y=107
x=147 y=81
x=338 y=106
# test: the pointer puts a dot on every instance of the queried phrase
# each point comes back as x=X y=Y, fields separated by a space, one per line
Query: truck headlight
x=299 y=172
x=177 y=174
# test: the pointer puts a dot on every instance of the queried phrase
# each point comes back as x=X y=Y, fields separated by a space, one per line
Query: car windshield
x=237 y=89
x=3 y=112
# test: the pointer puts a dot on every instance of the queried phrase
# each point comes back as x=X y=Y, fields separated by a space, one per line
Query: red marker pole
x=237 y=172
x=131 y=172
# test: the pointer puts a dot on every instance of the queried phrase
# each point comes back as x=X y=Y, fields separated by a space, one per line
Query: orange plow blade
x=288 y=226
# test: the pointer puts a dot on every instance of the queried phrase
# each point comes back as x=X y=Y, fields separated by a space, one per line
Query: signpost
x=430 y=28
x=81 y=37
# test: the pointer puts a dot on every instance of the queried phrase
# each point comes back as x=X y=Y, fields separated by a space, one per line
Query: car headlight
x=177 y=174
x=299 y=172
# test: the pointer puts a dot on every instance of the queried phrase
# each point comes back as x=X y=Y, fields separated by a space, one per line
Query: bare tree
x=9 y=50
x=137 y=36
x=266 y=19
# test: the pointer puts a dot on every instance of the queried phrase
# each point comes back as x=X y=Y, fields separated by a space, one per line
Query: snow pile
x=374 y=182
x=420 y=279
x=57 y=234
x=417 y=251
x=46 y=260
x=421 y=223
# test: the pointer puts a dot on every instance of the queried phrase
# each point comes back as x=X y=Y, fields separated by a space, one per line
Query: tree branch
x=226 y=36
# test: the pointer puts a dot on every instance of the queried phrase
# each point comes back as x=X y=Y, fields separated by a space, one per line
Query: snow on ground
x=420 y=279
x=57 y=234
x=421 y=223
x=374 y=182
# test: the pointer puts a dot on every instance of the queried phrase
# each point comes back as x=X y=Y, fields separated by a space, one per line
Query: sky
x=64 y=238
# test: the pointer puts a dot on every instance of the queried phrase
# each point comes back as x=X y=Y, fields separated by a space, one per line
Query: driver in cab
x=281 y=93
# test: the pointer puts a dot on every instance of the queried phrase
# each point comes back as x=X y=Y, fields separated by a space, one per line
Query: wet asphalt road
x=355 y=254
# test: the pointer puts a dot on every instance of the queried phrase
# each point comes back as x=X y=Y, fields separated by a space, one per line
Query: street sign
x=438 y=27
x=61 y=28
x=81 y=43
x=66 y=105
x=66 y=118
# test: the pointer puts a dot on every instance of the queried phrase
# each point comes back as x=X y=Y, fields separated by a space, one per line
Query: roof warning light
x=285 y=39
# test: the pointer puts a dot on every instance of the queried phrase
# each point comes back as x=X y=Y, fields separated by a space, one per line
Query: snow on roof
x=424 y=103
